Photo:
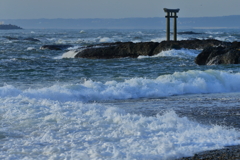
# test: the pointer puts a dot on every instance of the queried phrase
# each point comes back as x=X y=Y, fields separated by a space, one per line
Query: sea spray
x=51 y=129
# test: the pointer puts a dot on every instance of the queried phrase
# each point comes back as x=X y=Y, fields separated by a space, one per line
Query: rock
x=56 y=47
x=228 y=54
x=188 y=32
x=208 y=54
x=10 y=38
x=9 y=26
x=118 y=50
x=20 y=38
x=31 y=39
x=129 y=49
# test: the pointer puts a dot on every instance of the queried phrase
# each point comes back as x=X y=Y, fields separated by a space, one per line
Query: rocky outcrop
x=9 y=26
x=228 y=54
x=214 y=51
x=118 y=50
x=129 y=49
x=56 y=47
x=188 y=32
x=21 y=38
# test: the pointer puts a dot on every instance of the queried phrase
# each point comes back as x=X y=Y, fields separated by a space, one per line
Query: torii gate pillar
x=171 y=13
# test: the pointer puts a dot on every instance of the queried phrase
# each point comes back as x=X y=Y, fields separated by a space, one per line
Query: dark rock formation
x=9 y=26
x=228 y=54
x=21 y=38
x=118 y=50
x=188 y=32
x=56 y=47
x=129 y=49
x=31 y=39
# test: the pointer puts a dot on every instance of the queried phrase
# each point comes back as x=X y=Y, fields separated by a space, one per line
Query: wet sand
x=224 y=111
x=228 y=153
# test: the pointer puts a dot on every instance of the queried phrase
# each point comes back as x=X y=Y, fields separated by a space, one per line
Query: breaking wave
x=183 y=53
x=179 y=83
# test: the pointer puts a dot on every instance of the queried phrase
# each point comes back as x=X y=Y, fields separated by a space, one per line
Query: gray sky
x=31 y=9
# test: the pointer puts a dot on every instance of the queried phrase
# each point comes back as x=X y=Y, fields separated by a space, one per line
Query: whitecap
x=105 y=40
x=175 y=53
x=51 y=39
x=9 y=91
x=211 y=32
x=179 y=83
x=82 y=31
x=61 y=41
x=31 y=48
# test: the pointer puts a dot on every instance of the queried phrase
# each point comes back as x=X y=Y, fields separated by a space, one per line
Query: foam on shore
x=49 y=129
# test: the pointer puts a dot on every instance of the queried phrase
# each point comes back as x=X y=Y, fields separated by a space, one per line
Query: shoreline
x=227 y=153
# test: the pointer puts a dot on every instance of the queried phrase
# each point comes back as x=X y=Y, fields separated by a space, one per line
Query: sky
x=34 y=9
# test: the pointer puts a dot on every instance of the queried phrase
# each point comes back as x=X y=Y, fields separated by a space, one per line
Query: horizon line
x=111 y=18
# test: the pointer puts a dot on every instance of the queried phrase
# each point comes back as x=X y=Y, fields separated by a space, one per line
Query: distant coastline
x=8 y=26
x=224 y=22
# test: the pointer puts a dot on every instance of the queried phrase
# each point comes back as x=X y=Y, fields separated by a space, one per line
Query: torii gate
x=171 y=13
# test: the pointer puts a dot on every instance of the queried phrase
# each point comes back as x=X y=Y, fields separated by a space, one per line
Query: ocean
x=55 y=106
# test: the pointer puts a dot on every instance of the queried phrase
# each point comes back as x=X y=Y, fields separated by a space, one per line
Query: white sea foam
x=55 y=123
x=61 y=41
x=31 y=48
x=73 y=48
x=82 y=31
x=175 y=53
x=45 y=129
x=179 y=83
x=106 y=40
x=7 y=60
x=226 y=38
x=70 y=54
x=160 y=39
x=9 y=91
x=212 y=32
x=51 y=39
